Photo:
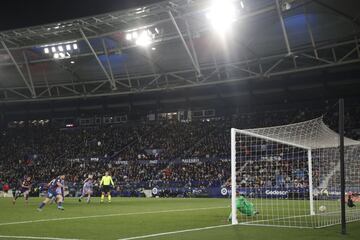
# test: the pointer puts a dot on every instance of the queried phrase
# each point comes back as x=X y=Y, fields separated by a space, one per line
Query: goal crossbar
x=269 y=138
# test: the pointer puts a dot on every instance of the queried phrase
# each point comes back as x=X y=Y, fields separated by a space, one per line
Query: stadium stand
x=141 y=155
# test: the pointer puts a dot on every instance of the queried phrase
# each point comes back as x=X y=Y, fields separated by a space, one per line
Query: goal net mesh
x=291 y=175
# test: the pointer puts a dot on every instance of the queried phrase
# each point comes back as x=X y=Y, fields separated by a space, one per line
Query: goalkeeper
x=245 y=207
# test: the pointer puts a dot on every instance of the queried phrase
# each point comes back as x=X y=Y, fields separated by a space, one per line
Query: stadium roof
x=184 y=53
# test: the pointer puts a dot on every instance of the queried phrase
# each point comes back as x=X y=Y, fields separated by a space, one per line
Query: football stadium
x=180 y=119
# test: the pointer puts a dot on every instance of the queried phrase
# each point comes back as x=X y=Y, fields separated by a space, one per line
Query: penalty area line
x=32 y=237
x=176 y=232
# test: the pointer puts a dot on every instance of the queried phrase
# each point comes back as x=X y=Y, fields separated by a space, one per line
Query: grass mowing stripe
x=110 y=215
x=31 y=237
x=175 y=232
x=273 y=219
x=205 y=228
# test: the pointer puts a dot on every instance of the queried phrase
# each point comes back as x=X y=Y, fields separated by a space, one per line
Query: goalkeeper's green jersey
x=245 y=207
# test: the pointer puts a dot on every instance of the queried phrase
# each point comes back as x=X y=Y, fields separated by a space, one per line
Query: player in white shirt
x=87 y=189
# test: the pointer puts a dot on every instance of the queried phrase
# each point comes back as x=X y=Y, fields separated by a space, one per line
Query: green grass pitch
x=139 y=218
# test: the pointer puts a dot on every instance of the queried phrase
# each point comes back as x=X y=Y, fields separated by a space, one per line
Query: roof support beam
x=107 y=59
x=181 y=78
x=348 y=54
x=128 y=76
x=276 y=65
x=18 y=93
x=151 y=82
x=282 y=23
x=109 y=66
x=318 y=58
x=184 y=43
x=67 y=69
x=273 y=66
x=18 y=68
x=97 y=87
x=70 y=90
x=311 y=34
x=29 y=74
x=338 y=12
x=190 y=36
x=112 y=83
x=47 y=83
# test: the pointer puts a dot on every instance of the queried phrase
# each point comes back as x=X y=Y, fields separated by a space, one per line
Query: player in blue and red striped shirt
x=24 y=190
x=56 y=189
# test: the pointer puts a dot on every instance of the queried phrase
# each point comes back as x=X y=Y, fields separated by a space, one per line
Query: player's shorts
x=59 y=191
x=106 y=188
x=87 y=191
x=25 y=191
x=51 y=194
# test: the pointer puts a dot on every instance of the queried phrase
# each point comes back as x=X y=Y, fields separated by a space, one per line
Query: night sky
x=24 y=13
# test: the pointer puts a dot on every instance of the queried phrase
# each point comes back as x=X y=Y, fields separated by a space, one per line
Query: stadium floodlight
x=134 y=35
x=72 y=62
x=62 y=55
x=53 y=49
x=61 y=49
x=222 y=14
x=75 y=46
x=46 y=50
x=128 y=36
x=144 y=39
x=157 y=30
x=68 y=47
x=242 y=4
x=56 y=55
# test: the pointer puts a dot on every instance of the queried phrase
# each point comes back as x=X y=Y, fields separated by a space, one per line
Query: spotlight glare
x=75 y=46
x=62 y=55
x=222 y=14
x=68 y=47
x=157 y=30
x=144 y=39
x=61 y=49
x=72 y=62
x=46 y=50
x=53 y=49
x=56 y=55
x=134 y=35
x=128 y=36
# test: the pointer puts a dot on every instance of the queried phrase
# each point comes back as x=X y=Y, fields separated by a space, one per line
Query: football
x=322 y=209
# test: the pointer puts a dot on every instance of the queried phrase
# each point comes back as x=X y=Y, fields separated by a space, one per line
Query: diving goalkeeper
x=245 y=207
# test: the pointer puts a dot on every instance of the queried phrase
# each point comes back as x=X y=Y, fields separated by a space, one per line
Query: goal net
x=290 y=175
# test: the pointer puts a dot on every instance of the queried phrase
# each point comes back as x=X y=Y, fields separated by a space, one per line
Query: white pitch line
x=110 y=215
x=30 y=237
x=250 y=223
x=175 y=232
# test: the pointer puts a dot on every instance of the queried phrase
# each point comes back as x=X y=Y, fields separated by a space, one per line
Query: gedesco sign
x=276 y=193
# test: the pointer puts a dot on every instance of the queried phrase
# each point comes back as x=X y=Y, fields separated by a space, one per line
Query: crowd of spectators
x=47 y=151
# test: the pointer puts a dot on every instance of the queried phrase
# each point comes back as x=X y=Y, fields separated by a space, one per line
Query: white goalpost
x=291 y=175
